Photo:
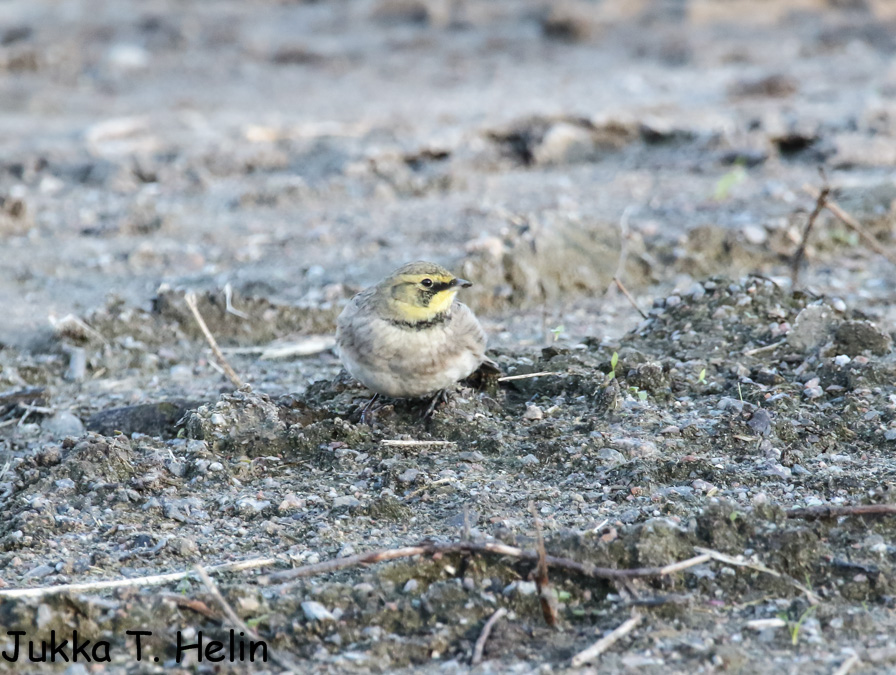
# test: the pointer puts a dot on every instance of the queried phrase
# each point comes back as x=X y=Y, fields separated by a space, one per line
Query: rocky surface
x=275 y=158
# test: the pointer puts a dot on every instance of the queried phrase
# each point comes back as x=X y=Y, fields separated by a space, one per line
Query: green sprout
x=557 y=331
x=701 y=378
x=613 y=361
x=728 y=181
x=795 y=626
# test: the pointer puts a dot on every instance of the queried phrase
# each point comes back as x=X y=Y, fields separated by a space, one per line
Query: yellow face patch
x=440 y=303
x=423 y=297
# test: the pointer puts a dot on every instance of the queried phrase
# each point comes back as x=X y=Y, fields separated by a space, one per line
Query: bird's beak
x=463 y=283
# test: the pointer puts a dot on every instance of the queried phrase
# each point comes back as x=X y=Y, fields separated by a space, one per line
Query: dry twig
x=542 y=581
x=767 y=348
x=526 y=376
x=402 y=443
x=479 y=648
x=606 y=642
x=33 y=394
x=759 y=567
x=629 y=297
x=134 y=582
x=216 y=350
x=854 y=225
x=212 y=587
x=847 y=665
x=228 y=302
x=820 y=202
x=474 y=548
x=191 y=603
x=824 y=512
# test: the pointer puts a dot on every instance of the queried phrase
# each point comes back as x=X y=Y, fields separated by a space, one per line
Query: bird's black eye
x=426 y=283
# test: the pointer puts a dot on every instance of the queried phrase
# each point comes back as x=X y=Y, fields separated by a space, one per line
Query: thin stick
x=820 y=201
x=759 y=567
x=228 y=302
x=542 y=580
x=435 y=483
x=623 y=240
x=468 y=547
x=508 y=378
x=399 y=443
x=190 y=603
x=32 y=394
x=854 y=225
x=767 y=348
x=283 y=662
x=824 y=512
x=762 y=624
x=606 y=642
x=847 y=665
x=479 y=648
x=152 y=580
x=216 y=350
x=685 y=564
x=629 y=297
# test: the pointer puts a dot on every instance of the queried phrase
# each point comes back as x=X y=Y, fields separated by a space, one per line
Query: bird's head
x=419 y=292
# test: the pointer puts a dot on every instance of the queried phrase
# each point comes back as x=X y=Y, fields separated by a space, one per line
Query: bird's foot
x=368 y=414
x=440 y=397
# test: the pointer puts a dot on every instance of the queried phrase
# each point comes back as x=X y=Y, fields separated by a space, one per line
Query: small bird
x=408 y=337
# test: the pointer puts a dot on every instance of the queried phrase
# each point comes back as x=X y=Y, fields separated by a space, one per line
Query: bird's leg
x=366 y=409
x=440 y=397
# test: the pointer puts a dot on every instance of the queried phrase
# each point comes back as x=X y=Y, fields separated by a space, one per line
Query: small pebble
x=533 y=412
x=409 y=476
x=610 y=456
x=314 y=611
x=346 y=500
x=529 y=459
x=291 y=503
x=63 y=425
x=250 y=506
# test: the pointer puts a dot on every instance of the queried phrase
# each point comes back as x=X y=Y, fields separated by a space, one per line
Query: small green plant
x=613 y=361
x=641 y=394
x=557 y=331
x=701 y=378
x=728 y=181
x=795 y=626
x=254 y=621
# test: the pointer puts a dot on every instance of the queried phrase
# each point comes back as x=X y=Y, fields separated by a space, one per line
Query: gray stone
x=346 y=500
x=812 y=327
x=409 y=476
x=39 y=572
x=565 y=143
x=63 y=424
x=610 y=456
x=250 y=506
x=314 y=611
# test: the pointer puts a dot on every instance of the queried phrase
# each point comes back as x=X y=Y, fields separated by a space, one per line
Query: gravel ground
x=274 y=158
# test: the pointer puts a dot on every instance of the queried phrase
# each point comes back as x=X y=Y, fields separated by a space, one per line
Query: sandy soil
x=287 y=154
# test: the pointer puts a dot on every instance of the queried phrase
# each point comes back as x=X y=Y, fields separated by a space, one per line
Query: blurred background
x=300 y=150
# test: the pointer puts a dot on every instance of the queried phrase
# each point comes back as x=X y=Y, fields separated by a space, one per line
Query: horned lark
x=408 y=337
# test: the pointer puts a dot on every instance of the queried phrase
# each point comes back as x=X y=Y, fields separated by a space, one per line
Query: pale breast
x=406 y=362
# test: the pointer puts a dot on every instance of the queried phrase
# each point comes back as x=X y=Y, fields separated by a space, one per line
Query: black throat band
x=439 y=318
